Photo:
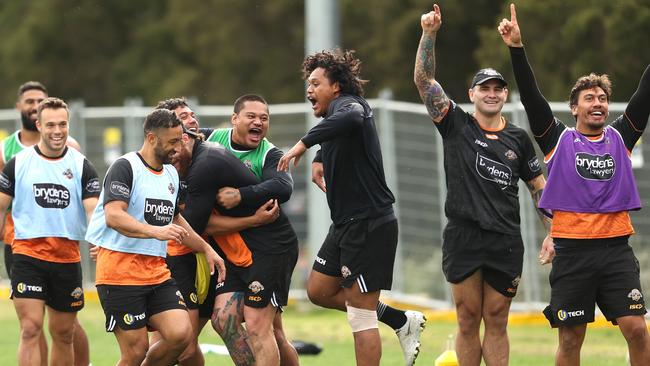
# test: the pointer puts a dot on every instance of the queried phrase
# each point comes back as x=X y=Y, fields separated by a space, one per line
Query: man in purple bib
x=590 y=190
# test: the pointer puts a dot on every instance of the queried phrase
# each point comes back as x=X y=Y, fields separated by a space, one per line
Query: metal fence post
x=529 y=235
x=133 y=133
x=77 y=123
x=386 y=122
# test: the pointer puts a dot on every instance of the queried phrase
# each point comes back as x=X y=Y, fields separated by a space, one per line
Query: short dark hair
x=51 y=103
x=589 y=82
x=239 y=103
x=172 y=103
x=31 y=85
x=340 y=67
x=160 y=118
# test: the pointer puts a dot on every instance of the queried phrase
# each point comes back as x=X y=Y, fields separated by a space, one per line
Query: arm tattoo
x=425 y=61
x=435 y=100
x=432 y=94
x=232 y=332
x=546 y=216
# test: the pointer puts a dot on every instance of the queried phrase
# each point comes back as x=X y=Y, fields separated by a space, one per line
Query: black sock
x=392 y=317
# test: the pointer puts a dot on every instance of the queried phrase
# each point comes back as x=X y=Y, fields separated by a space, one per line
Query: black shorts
x=466 y=248
x=206 y=308
x=267 y=279
x=361 y=251
x=130 y=307
x=58 y=284
x=9 y=258
x=594 y=271
x=183 y=269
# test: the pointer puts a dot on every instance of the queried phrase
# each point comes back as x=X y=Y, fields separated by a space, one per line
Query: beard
x=27 y=122
x=162 y=156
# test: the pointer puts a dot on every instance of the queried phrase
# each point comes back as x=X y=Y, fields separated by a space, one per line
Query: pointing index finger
x=513 y=13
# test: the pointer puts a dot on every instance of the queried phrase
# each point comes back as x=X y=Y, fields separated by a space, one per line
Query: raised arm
x=432 y=94
x=538 y=111
x=638 y=110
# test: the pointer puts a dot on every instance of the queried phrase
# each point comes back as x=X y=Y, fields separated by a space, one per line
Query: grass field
x=531 y=344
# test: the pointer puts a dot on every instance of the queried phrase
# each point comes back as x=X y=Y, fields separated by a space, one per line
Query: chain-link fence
x=412 y=152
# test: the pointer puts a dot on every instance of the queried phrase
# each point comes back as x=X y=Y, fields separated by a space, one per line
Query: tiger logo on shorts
x=635 y=295
x=77 y=293
x=345 y=271
x=256 y=287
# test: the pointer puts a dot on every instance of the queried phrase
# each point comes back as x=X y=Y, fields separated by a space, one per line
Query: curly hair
x=340 y=67
x=172 y=103
x=588 y=82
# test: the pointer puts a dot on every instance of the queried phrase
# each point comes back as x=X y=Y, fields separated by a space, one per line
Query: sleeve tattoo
x=431 y=92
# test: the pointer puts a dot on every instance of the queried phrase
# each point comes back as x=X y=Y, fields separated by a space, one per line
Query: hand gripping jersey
x=48 y=196
x=152 y=199
x=597 y=175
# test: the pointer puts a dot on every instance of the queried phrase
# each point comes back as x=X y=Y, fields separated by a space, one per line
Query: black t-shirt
x=352 y=161
x=89 y=178
x=213 y=167
x=120 y=175
x=483 y=169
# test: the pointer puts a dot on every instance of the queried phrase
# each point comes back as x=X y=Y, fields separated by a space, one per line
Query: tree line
x=216 y=50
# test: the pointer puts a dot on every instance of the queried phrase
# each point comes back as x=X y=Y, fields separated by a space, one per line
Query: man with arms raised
x=485 y=156
x=590 y=190
x=137 y=216
x=55 y=187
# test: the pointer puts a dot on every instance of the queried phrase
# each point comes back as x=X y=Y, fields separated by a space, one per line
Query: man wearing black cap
x=485 y=156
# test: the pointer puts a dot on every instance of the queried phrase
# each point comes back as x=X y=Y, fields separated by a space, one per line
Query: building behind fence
x=413 y=160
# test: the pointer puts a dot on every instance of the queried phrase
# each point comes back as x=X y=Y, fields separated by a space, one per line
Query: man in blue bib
x=137 y=216
x=52 y=190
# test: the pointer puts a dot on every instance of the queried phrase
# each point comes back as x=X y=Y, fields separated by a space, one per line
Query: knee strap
x=362 y=319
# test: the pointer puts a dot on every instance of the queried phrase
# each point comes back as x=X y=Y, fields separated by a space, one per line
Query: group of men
x=223 y=183
x=193 y=196
x=584 y=205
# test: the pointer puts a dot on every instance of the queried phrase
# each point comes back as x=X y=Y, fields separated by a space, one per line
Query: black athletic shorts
x=8 y=259
x=466 y=248
x=593 y=271
x=205 y=309
x=130 y=307
x=58 y=284
x=361 y=251
x=183 y=269
x=267 y=279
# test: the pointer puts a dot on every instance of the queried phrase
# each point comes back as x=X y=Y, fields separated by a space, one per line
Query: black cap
x=484 y=75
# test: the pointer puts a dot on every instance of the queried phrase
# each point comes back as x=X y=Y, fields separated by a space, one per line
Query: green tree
x=565 y=40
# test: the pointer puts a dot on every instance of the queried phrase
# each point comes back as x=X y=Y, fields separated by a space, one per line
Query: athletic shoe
x=409 y=335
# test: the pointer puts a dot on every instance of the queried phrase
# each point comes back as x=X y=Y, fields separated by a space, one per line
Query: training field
x=530 y=344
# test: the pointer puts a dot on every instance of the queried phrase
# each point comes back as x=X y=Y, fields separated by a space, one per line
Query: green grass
x=530 y=344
